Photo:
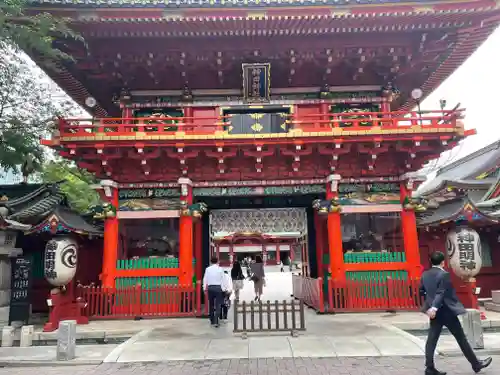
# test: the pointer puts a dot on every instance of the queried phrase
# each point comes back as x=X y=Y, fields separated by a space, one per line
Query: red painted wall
x=489 y=277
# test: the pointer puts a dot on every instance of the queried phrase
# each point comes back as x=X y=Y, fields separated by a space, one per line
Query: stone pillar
x=473 y=328
x=8 y=336
x=109 y=192
x=335 y=231
x=5 y=274
x=186 y=233
x=409 y=229
x=66 y=340
x=27 y=333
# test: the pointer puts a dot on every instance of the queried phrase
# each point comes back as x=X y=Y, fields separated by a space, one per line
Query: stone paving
x=269 y=366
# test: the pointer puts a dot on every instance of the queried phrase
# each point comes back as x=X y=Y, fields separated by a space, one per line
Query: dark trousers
x=445 y=317
x=215 y=301
x=225 y=306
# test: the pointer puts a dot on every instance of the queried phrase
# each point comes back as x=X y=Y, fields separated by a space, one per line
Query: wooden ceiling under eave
x=147 y=49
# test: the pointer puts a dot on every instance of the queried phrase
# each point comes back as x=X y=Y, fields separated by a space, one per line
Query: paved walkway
x=271 y=366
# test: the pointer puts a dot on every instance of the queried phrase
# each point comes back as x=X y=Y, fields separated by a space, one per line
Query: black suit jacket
x=436 y=287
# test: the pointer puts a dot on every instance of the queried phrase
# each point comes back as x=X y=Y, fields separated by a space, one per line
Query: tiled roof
x=33 y=204
x=466 y=169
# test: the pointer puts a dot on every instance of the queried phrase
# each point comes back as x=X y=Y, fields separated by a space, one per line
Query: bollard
x=27 y=333
x=8 y=336
x=473 y=329
x=66 y=340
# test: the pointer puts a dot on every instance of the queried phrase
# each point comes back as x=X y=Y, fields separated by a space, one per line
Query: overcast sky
x=475 y=85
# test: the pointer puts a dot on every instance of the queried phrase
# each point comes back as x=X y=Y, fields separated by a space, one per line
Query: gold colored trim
x=293 y=133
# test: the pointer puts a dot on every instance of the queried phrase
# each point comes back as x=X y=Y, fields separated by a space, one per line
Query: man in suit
x=442 y=307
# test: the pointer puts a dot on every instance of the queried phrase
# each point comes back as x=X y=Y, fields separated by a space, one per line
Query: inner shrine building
x=283 y=128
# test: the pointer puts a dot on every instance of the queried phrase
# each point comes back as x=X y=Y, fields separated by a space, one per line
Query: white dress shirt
x=227 y=283
x=214 y=275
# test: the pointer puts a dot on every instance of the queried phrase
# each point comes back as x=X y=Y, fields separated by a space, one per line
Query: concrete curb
x=479 y=352
x=50 y=363
x=117 y=352
x=414 y=339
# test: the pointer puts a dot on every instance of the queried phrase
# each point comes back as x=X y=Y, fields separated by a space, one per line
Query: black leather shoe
x=483 y=364
x=433 y=371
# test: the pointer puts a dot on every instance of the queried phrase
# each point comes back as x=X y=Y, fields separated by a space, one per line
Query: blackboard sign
x=20 y=290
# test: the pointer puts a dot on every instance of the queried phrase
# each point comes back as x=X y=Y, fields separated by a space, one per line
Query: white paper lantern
x=60 y=260
x=464 y=251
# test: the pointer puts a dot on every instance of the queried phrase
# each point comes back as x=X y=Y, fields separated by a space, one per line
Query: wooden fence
x=358 y=295
x=138 y=302
x=284 y=316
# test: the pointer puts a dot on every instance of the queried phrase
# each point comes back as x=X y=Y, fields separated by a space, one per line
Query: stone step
x=495 y=295
x=492 y=306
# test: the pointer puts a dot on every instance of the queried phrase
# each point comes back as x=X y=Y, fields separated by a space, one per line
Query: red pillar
x=335 y=232
x=186 y=235
x=410 y=235
x=319 y=243
x=198 y=249
x=385 y=106
x=109 y=192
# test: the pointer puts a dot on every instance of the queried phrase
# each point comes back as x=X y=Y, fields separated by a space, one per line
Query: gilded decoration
x=196 y=210
x=414 y=204
x=149 y=204
x=102 y=211
x=368 y=194
x=324 y=207
x=263 y=190
x=259 y=220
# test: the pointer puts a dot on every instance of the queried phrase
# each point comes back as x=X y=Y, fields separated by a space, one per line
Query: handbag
x=254 y=278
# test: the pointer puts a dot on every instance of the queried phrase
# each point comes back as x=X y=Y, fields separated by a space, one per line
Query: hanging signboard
x=20 y=290
x=257 y=82
x=464 y=251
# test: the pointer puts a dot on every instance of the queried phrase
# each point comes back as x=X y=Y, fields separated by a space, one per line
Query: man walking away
x=442 y=307
x=227 y=290
x=212 y=283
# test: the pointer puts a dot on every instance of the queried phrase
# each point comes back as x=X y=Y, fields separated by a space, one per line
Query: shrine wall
x=489 y=276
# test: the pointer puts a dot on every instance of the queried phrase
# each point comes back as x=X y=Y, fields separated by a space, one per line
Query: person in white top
x=227 y=289
x=212 y=283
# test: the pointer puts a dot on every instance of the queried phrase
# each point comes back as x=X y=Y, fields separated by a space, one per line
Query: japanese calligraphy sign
x=464 y=251
x=256 y=82
x=20 y=289
x=60 y=260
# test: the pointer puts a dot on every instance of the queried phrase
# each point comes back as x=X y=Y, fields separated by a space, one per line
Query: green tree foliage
x=29 y=107
x=76 y=186
x=32 y=32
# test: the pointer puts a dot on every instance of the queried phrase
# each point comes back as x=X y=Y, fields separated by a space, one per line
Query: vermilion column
x=109 y=192
x=335 y=232
x=186 y=234
x=198 y=249
x=409 y=229
x=319 y=243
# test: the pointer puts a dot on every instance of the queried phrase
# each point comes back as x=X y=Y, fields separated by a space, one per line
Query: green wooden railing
x=376 y=276
x=148 y=263
x=374 y=257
